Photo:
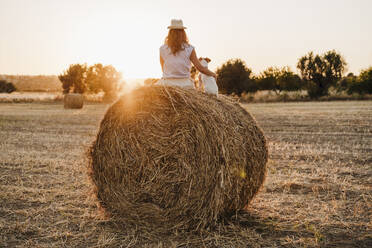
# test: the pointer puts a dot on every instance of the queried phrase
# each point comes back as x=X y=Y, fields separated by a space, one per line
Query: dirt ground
x=318 y=191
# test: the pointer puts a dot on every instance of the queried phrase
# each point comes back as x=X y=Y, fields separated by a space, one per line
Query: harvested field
x=317 y=192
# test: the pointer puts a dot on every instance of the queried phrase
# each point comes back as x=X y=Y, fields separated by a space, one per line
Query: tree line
x=80 y=78
x=318 y=73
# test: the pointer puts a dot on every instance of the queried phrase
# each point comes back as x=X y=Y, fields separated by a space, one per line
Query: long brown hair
x=176 y=39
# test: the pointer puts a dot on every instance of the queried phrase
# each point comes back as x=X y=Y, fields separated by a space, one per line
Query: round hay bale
x=73 y=101
x=170 y=158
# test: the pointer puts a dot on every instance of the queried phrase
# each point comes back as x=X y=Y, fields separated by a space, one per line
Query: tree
x=279 y=79
x=235 y=77
x=74 y=79
x=103 y=78
x=362 y=84
x=94 y=74
x=321 y=71
x=79 y=78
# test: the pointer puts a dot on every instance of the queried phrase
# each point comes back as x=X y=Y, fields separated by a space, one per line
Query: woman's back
x=176 y=56
x=176 y=65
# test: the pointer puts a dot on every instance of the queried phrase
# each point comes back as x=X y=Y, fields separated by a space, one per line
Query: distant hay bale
x=73 y=101
x=166 y=158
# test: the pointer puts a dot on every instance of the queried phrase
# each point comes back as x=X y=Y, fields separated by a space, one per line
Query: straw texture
x=172 y=159
x=73 y=101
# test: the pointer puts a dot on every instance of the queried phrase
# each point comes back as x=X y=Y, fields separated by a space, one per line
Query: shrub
x=365 y=82
x=344 y=84
x=235 y=77
x=6 y=87
x=360 y=85
x=279 y=79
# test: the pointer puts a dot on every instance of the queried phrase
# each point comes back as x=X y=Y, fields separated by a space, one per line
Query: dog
x=207 y=83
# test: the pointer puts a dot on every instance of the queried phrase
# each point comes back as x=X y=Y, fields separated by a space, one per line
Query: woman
x=176 y=56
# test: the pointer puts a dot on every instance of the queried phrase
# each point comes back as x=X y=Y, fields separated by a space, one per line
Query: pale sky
x=45 y=36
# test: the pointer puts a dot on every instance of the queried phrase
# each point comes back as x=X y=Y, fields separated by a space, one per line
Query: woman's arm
x=194 y=59
x=161 y=63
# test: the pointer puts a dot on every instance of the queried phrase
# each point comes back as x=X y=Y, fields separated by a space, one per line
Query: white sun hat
x=176 y=24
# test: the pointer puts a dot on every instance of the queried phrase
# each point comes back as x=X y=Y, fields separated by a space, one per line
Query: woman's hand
x=194 y=59
x=215 y=76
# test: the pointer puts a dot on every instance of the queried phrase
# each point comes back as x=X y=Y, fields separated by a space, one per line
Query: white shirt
x=176 y=66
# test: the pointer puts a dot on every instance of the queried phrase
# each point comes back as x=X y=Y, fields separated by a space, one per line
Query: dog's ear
x=201 y=58
x=207 y=59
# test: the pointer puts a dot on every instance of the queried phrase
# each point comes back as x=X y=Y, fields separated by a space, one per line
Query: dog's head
x=206 y=59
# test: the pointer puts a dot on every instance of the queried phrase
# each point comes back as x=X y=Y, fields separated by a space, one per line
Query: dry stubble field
x=318 y=191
